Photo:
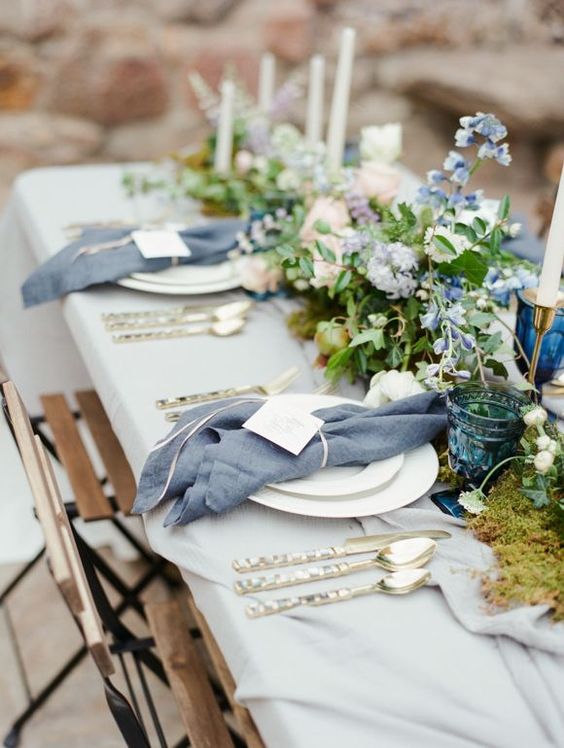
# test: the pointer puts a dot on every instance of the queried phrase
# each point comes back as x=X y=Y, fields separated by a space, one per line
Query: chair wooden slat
x=85 y=612
x=60 y=564
x=111 y=452
x=90 y=499
x=187 y=676
x=242 y=715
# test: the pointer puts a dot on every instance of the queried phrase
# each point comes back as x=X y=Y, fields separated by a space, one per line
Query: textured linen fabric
x=376 y=671
x=216 y=467
x=68 y=271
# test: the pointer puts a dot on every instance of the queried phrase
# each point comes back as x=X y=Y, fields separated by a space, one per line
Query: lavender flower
x=435 y=177
x=389 y=269
x=359 y=208
x=463 y=138
x=283 y=99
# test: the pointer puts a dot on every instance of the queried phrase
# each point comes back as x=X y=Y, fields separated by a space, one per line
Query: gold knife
x=363 y=544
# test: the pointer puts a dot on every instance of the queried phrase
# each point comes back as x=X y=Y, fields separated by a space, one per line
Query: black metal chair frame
x=124 y=639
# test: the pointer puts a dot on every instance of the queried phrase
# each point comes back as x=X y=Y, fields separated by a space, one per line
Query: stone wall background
x=106 y=80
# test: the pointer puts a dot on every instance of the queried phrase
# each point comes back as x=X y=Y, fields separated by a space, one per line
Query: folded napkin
x=70 y=271
x=209 y=464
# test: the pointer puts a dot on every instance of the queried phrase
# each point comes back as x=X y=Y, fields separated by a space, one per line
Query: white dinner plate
x=186 y=280
x=189 y=275
x=335 y=480
x=416 y=476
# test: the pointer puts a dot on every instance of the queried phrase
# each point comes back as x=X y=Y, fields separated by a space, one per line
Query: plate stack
x=186 y=280
x=352 y=491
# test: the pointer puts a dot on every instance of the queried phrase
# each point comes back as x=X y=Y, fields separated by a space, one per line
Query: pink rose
x=243 y=161
x=334 y=212
x=325 y=273
x=258 y=275
x=377 y=180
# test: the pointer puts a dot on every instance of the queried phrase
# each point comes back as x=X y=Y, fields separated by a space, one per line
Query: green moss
x=528 y=546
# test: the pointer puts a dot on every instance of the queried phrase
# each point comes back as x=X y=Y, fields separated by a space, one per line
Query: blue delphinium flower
x=453 y=161
x=463 y=138
x=502 y=282
x=432 y=196
x=430 y=320
x=435 y=177
x=499 y=153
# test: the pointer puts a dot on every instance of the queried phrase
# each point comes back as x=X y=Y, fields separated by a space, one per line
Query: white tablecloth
x=376 y=671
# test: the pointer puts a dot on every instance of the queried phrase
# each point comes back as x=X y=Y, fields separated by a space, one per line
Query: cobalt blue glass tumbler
x=551 y=359
x=484 y=427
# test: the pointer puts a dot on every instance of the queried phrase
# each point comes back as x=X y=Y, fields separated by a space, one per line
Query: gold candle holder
x=543 y=319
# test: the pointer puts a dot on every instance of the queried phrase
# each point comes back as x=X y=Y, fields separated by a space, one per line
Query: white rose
x=381 y=143
x=287 y=180
x=543 y=461
x=514 y=230
x=458 y=242
x=543 y=442
x=553 y=447
x=386 y=386
x=536 y=416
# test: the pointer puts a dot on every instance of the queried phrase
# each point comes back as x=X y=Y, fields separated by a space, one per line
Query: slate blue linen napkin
x=214 y=467
x=65 y=272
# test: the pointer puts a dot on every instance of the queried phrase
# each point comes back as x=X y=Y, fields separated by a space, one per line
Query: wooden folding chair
x=72 y=568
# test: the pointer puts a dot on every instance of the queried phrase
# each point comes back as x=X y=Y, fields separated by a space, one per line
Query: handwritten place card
x=285 y=425
x=159 y=243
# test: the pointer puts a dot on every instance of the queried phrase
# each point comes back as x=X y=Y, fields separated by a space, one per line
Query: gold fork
x=274 y=387
x=327 y=388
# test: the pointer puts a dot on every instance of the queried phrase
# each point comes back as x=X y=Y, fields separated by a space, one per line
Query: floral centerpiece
x=401 y=287
x=391 y=284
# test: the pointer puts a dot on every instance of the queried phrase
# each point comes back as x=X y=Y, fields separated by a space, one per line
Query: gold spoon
x=403 y=554
x=396 y=583
x=222 y=329
x=225 y=311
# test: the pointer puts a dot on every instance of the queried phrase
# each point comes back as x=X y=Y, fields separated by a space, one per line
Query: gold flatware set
x=402 y=554
x=177 y=322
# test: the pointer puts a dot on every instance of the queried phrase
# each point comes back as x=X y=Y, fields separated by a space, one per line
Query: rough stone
x=377 y=108
x=196 y=11
x=111 y=74
x=43 y=138
x=138 y=141
x=19 y=76
x=530 y=102
x=33 y=19
x=553 y=162
x=289 y=30
x=212 y=62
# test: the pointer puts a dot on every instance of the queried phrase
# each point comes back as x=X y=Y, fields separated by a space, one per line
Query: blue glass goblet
x=551 y=359
x=484 y=427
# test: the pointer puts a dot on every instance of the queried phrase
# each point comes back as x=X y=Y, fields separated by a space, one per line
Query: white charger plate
x=335 y=480
x=186 y=280
x=416 y=476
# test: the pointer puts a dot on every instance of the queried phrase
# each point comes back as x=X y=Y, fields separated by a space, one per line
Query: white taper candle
x=266 y=82
x=336 y=133
x=314 y=117
x=549 y=282
x=224 y=139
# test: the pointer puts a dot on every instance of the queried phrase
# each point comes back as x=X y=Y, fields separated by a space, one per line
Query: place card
x=159 y=243
x=285 y=425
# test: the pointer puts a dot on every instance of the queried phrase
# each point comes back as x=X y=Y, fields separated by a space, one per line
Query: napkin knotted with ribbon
x=73 y=269
x=209 y=463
